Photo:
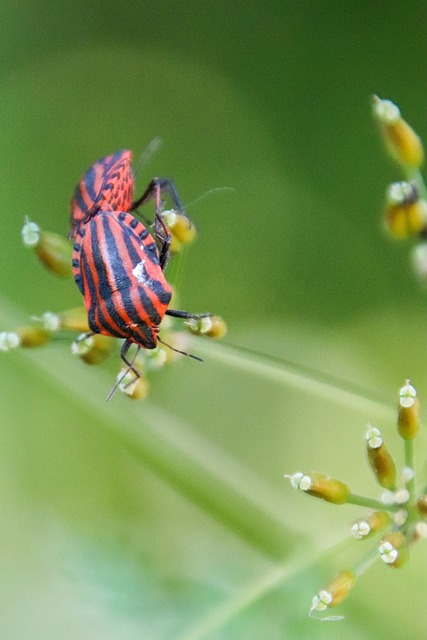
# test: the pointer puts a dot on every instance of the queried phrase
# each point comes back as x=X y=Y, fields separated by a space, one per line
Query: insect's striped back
x=108 y=185
x=116 y=267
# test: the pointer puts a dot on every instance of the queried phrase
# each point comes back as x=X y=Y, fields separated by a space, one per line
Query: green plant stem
x=409 y=462
x=279 y=576
x=371 y=503
x=417 y=178
x=285 y=372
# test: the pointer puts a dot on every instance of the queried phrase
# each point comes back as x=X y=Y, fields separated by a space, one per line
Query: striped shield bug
x=106 y=185
x=119 y=271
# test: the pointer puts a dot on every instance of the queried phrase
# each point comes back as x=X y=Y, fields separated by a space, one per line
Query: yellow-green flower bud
x=335 y=592
x=53 y=250
x=381 y=462
x=135 y=388
x=408 y=422
x=211 y=326
x=393 y=549
x=55 y=253
x=92 y=349
x=405 y=214
x=321 y=486
x=33 y=336
x=180 y=226
x=367 y=527
x=155 y=359
x=422 y=505
x=402 y=142
x=74 y=319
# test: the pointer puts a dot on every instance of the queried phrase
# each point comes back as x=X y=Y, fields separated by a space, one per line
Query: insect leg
x=156 y=186
x=130 y=367
x=187 y=315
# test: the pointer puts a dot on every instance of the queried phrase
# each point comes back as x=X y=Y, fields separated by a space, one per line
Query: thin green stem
x=282 y=371
x=279 y=576
x=409 y=462
x=417 y=178
x=371 y=503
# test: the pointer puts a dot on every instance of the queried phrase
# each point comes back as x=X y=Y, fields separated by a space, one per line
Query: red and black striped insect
x=108 y=185
x=119 y=271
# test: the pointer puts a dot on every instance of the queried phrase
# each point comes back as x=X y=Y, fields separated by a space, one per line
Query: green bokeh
x=104 y=533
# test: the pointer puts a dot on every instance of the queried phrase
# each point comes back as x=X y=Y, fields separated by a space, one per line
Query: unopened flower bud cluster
x=395 y=519
x=405 y=213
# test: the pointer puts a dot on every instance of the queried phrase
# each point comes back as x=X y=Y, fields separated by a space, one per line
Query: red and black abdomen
x=116 y=267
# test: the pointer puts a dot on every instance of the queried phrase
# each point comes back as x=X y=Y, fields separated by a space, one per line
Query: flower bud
x=393 y=549
x=405 y=213
x=381 y=462
x=335 y=592
x=180 y=226
x=53 y=250
x=321 y=486
x=422 y=505
x=9 y=340
x=211 y=326
x=74 y=319
x=33 y=336
x=402 y=142
x=50 y=321
x=155 y=359
x=92 y=349
x=367 y=527
x=408 y=422
x=135 y=388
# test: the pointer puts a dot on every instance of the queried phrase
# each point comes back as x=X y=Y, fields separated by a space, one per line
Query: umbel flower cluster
x=55 y=253
x=405 y=213
x=395 y=521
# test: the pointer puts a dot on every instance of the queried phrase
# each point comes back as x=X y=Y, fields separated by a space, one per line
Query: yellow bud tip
x=408 y=423
x=335 y=592
x=211 y=326
x=374 y=522
x=33 y=336
x=422 y=505
x=74 y=319
x=55 y=253
x=402 y=142
x=405 y=214
x=321 y=486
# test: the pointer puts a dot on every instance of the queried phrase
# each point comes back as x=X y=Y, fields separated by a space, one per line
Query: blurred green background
x=164 y=519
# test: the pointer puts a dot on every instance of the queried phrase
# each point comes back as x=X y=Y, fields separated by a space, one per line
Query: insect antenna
x=183 y=353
